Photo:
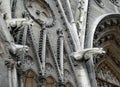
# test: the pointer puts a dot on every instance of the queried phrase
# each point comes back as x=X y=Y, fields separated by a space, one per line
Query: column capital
x=10 y=63
x=61 y=84
x=42 y=80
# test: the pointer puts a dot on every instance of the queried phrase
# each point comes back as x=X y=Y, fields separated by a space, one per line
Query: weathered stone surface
x=37 y=38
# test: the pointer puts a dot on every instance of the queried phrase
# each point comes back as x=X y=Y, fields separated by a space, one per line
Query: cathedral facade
x=59 y=43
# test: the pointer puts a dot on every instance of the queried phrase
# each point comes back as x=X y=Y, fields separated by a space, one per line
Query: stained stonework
x=59 y=43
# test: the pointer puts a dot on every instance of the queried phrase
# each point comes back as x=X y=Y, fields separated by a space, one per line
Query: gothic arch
x=68 y=84
x=106 y=75
x=90 y=37
x=50 y=82
x=30 y=79
x=107 y=35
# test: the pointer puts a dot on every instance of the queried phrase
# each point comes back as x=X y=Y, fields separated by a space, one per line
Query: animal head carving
x=95 y=50
x=86 y=53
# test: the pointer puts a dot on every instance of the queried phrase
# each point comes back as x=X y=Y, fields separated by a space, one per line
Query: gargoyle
x=19 y=22
x=7 y=37
x=86 y=53
x=18 y=49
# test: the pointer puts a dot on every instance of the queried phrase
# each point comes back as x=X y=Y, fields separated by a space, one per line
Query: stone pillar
x=9 y=67
x=44 y=51
x=42 y=81
x=91 y=72
x=82 y=74
x=12 y=74
x=61 y=50
x=61 y=84
x=9 y=77
x=21 y=82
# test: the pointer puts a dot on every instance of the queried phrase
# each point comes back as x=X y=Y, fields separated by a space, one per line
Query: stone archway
x=68 y=84
x=50 y=82
x=30 y=79
x=107 y=35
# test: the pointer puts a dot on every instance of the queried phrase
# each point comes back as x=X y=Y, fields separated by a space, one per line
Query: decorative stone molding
x=106 y=36
x=49 y=68
x=99 y=3
x=40 y=12
x=116 y=2
x=10 y=63
x=106 y=75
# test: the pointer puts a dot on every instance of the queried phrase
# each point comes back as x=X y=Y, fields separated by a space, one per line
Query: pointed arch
x=68 y=84
x=50 y=82
x=106 y=35
x=30 y=80
x=90 y=35
x=106 y=76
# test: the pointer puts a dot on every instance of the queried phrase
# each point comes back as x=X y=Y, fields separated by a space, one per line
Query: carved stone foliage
x=28 y=62
x=49 y=68
x=67 y=74
x=116 y=2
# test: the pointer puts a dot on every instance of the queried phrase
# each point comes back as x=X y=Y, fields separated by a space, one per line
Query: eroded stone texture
x=59 y=43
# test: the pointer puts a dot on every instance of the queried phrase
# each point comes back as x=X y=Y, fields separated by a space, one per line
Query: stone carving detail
x=86 y=53
x=105 y=75
x=106 y=35
x=40 y=12
x=67 y=74
x=116 y=2
x=49 y=68
x=28 y=62
x=99 y=3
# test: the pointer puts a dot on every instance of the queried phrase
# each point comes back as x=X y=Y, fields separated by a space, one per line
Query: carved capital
x=41 y=80
x=10 y=63
x=61 y=84
x=60 y=32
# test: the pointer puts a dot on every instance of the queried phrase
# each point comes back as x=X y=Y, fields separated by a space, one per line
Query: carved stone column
x=60 y=52
x=12 y=73
x=21 y=81
x=42 y=81
x=61 y=84
x=9 y=75
x=91 y=72
x=44 y=49
x=82 y=74
x=60 y=58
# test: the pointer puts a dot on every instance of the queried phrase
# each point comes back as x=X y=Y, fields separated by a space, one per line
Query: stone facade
x=59 y=43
